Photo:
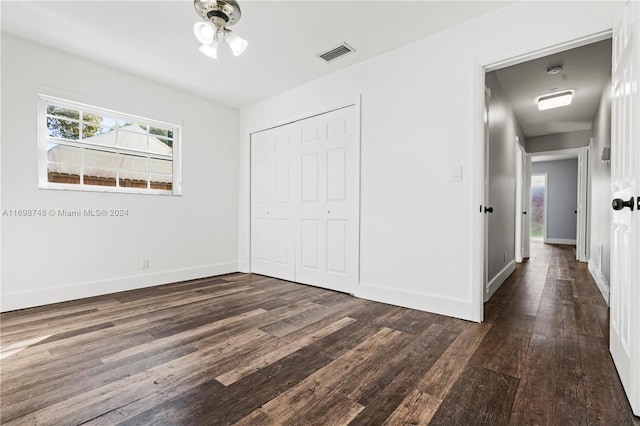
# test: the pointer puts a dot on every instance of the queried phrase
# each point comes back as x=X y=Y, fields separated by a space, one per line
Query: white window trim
x=43 y=182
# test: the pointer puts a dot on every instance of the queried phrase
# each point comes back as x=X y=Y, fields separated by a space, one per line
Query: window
x=93 y=149
x=538 y=229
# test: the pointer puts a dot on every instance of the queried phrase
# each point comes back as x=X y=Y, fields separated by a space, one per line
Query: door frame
x=515 y=55
x=485 y=200
x=583 y=232
x=523 y=198
x=582 y=191
x=345 y=103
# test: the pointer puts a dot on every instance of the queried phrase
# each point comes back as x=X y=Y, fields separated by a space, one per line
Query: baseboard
x=560 y=241
x=46 y=296
x=499 y=279
x=457 y=308
x=601 y=282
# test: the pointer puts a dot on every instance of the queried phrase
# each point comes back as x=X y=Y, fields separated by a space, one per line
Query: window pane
x=59 y=128
x=63 y=173
x=124 y=124
x=64 y=154
x=133 y=179
x=158 y=131
x=63 y=112
x=133 y=137
x=91 y=120
x=161 y=182
x=160 y=166
x=537 y=206
x=159 y=145
x=101 y=159
x=100 y=177
x=134 y=163
x=89 y=131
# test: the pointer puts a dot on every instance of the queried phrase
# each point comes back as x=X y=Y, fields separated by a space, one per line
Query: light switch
x=456 y=173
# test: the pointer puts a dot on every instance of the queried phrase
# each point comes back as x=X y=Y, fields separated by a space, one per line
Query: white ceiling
x=154 y=39
x=586 y=69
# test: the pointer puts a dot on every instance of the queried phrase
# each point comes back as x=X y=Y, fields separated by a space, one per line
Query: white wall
x=601 y=195
x=503 y=130
x=556 y=141
x=50 y=259
x=421 y=117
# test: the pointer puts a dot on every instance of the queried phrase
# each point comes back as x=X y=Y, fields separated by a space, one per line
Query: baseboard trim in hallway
x=495 y=283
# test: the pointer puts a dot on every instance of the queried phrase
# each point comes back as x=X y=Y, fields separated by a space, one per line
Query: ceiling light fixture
x=555 y=100
x=217 y=16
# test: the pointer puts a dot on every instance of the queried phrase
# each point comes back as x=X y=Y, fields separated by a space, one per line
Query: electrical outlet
x=505 y=257
x=144 y=263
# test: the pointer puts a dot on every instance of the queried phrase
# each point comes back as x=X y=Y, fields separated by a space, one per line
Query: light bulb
x=211 y=50
x=236 y=43
x=204 y=32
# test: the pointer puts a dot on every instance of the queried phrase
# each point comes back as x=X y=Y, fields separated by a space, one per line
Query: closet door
x=274 y=155
x=327 y=243
x=305 y=201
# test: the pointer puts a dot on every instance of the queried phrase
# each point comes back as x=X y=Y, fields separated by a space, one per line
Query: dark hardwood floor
x=250 y=350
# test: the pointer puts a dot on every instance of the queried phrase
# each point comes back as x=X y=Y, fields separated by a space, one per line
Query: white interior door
x=305 y=201
x=625 y=177
x=273 y=201
x=328 y=219
x=520 y=154
x=523 y=190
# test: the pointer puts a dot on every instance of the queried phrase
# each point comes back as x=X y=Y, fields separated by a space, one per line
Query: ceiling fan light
x=204 y=32
x=555 y=100
x=237 y=44
x=211 y=50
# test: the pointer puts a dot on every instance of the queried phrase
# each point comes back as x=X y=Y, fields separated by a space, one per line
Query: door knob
x=488 y=209
x=524 y=212
x=619 y=204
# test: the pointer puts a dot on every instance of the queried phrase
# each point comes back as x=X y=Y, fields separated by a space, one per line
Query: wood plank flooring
x=250 y=350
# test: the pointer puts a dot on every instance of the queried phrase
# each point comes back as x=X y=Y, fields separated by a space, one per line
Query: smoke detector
x=556 y=69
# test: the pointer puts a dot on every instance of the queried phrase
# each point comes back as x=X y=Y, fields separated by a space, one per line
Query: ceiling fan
x=212 y=31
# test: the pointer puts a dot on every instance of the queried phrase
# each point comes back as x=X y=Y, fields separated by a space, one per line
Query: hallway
x=549 y=333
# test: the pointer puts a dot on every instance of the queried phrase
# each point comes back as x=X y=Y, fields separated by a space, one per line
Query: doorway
x=523 y=128
x=624 y=334
x=539 y=196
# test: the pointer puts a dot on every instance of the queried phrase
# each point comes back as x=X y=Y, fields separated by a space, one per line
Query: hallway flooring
x=251 y=350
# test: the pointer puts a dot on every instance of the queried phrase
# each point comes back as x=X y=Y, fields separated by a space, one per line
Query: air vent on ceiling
x=336 y=52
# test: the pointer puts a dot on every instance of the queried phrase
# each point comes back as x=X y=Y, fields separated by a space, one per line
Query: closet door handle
x=488 y=209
